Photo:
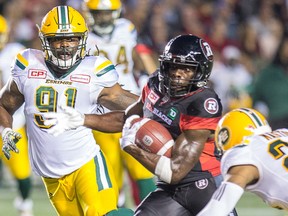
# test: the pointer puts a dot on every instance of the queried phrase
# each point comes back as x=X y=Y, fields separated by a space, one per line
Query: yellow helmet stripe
x=253 y=116
x=63 y=17
x=21 y=62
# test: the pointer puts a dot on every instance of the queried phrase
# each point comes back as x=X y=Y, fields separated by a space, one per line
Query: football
x=153 y=137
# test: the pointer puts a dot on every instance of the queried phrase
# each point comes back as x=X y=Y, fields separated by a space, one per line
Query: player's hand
x=128 y=132
x=10 y=138
x=63 y=121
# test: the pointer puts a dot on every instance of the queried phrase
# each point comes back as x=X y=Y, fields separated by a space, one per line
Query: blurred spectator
x=191 y=20
x=249 y=44
x=230 y=80
x=29 y=12
x=218 y=35
x=268 y=28
x=270 y=87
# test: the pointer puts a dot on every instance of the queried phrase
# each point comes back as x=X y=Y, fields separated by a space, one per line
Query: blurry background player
x=231 y=79
x=270 y=87
x=116 y=38
x=19 y=164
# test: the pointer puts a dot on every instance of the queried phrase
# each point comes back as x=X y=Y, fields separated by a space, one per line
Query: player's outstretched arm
x=116 y=98
x=10 y=100
x=108 y=123
x=69 y=118
x=223 y=200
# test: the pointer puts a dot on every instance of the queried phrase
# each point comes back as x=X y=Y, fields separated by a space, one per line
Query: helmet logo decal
x=250 y=128
x=211 y=105
x=223 y=136
x=191 y=55
x=206 y=50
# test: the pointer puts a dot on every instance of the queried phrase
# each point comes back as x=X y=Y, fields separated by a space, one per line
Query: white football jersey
x=7 y=58
x=118 y=47
x=268 y=153
x=79 y=88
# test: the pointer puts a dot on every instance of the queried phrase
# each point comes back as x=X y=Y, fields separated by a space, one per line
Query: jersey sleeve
x=239 y=155
x=204 y=111
x=105 y=72
x=19 y=74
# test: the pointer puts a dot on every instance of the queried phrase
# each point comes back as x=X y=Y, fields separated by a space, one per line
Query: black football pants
x=177 y=201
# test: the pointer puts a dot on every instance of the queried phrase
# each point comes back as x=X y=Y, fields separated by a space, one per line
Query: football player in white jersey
x=19 y=165
x=78 y=178
x=255 y=160
x=116 y=38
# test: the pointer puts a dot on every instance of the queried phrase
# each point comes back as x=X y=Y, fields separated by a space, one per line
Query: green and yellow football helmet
x=3 y=32
x=238 y=124
x=102 y=14
x=63 y=22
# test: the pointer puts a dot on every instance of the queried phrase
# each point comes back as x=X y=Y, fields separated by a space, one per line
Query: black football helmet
x=185 y=50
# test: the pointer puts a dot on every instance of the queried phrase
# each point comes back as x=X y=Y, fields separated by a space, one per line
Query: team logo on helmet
x=191 y=54
x=206 y=50
x=223 y=136
x=211 y=105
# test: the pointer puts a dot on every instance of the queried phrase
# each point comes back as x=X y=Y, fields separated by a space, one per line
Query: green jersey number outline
x=274 y=148
x=46 y=100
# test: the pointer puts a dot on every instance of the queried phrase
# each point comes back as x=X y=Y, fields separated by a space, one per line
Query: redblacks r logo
x=211 y=105
x=37 y=74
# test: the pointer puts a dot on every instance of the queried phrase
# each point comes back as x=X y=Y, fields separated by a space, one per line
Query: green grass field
x=249 y=205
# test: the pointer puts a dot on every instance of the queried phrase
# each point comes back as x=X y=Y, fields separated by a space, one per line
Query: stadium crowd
x=252 y=28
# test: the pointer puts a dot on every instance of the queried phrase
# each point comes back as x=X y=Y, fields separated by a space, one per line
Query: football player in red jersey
x=176 y=95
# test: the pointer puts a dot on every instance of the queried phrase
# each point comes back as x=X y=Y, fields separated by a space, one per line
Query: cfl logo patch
x=201 y=184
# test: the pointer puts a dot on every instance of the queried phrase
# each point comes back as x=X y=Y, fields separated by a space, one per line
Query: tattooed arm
x=116 y=98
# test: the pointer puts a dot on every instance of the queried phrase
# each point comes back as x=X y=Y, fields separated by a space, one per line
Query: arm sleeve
x=223 y=200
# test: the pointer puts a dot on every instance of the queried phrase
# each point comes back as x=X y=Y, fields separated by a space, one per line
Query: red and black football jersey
x=200 y=109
